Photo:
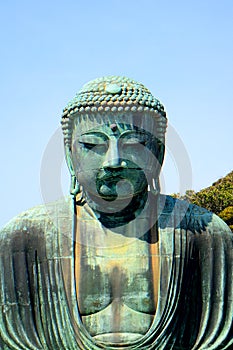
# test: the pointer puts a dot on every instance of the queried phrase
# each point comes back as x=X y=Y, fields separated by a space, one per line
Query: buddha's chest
x=125 y=274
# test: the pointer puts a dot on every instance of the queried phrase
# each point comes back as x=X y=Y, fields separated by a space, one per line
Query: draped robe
x=38 y=299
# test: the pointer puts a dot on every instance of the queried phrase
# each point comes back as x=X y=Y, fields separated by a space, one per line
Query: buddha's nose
x=112 y=158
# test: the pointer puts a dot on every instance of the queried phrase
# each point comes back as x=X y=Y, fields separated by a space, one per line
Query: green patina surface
x=119 y=265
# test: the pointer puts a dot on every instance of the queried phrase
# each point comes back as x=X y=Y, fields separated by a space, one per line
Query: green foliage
x=227 y=215
x=217 y=198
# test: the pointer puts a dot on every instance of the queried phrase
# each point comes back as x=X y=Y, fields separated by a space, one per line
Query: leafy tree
x=217 y=198
x=227 y=215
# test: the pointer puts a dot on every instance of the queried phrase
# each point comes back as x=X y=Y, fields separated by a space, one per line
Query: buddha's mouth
x=120 y=173
x=117 y=188
x=119 y=185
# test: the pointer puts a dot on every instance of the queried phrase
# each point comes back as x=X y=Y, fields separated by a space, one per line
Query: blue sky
x=181 y=50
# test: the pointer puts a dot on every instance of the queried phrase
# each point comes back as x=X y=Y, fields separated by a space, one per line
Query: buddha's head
x=114 y=132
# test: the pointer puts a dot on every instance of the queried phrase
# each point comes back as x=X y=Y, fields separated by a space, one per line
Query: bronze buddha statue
x=118 y=265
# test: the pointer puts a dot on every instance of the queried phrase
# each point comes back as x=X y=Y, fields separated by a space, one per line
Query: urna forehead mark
x=113 y=127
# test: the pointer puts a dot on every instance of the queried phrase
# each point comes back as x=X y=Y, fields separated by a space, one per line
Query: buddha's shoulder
x=38 y=219
x=193 y=217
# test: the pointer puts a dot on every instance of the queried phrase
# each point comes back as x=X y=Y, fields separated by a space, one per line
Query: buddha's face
x=113 y=160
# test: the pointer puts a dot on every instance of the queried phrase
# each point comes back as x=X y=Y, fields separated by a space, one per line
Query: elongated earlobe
x=74 y=186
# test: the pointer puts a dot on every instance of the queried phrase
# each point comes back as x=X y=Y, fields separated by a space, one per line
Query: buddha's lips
x=111 y=177
x=123 y=174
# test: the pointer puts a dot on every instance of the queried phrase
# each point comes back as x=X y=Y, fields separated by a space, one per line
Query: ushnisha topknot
x=113 y=95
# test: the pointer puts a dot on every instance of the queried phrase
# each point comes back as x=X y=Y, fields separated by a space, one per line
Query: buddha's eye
x=95 y=147
x=134 y=140
x=98 y=148
x=93 y=142
x=86 y=145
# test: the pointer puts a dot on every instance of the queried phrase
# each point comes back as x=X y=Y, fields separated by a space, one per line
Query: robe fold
x=38 y=303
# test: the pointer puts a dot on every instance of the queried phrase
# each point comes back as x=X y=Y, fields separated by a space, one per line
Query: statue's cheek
x=87 y=163
x=87 y=178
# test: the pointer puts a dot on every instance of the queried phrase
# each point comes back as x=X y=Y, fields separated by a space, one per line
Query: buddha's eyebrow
x=134 y=133
x=94 y=133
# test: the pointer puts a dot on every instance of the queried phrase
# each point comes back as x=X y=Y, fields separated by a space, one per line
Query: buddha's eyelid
x=137 y=135
x=91 y=138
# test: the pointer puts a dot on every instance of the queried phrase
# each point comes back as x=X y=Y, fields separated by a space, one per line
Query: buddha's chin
x=117 y=338
x=106 y=193
x=109 y=204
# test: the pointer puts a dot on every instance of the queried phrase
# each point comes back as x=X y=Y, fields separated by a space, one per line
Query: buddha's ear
x=161 y=153
x=74 y=187
x=69 y=160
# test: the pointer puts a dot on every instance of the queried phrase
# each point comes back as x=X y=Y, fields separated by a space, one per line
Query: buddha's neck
x=117 y=213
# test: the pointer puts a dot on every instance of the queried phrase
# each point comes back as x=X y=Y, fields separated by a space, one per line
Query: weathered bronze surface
x=118 y=265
